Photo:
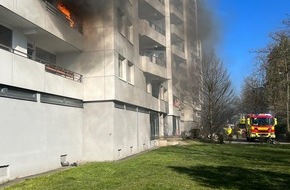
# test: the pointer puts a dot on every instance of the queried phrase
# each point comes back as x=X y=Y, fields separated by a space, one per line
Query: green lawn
x=195 y=166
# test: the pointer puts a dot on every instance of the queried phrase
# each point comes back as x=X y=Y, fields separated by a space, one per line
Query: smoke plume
x=208 y=27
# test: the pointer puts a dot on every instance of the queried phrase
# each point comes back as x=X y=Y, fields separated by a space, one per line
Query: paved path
x=244 y=141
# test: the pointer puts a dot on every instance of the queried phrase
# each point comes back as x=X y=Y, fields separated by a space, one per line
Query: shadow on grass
x=235 y=177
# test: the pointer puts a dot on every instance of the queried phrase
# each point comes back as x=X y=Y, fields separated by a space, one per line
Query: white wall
x=112 y=133
x=34 y=135
x=98 y=131
x=125 y=133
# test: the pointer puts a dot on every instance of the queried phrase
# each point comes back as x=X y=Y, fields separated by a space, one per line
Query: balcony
x=152 y=69
x=176 y=14
x=17 y=70
x=150 y=32
x=150 y=8
x=48 y=67
x=45 y=30
x=73 y=22
x=177 y=32
x=178 y=51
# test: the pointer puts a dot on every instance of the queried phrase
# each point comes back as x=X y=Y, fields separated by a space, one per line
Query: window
x=162 y=93
x=17 y=93
x=131 y=107
x=119 y=105
x=44 y=56
x=59 y=100
x=154 y=124
x=5 y=38
x=121 y=22
x=165 y=92
x=148 y=87
x=130 y=73
x=129 y=34
x=121 y=67
x=143 y=110
x=155 y=89
x=31 y=51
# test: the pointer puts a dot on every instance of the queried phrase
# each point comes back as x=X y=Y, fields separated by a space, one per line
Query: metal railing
x=63 y=72
x=48 y=66
x=158 y=60
x=53 y=10
x=157 y=28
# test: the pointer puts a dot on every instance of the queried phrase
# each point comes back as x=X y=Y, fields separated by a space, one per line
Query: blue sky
x=245 y=25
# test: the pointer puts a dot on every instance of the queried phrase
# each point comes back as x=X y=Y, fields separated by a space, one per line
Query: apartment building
x=92 y=80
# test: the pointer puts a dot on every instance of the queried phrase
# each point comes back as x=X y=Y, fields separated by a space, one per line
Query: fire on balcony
x=66 y=11
x=62 y=8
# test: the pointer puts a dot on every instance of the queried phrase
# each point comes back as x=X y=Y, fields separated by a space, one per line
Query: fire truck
x=260 y=126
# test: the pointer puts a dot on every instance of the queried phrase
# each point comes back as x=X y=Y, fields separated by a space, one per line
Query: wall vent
x=63 y=160
x=4 y=171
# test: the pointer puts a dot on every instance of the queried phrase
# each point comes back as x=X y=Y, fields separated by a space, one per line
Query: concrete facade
x=98 y=84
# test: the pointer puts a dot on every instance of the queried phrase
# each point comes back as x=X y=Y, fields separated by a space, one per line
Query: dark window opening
x=5 y=38
x=17 y=93
x=131 y=107
x=155 y=89
x=44 y=56
x=59 y=100
x=119 y=105
x=154 y=124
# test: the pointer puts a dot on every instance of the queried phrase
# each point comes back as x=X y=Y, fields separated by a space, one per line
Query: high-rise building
x=93 y=80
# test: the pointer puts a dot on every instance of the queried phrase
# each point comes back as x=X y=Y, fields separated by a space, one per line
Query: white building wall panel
x=53 y=84
x=143 y=131
x=28 y=74
x=125 y=133
x=6 y=74
x=25 y=8
x=94 y=89
x=31 y=145
x=98 y=131
x=9 y=4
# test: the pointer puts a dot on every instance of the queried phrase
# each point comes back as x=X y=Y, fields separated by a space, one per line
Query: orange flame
x=65 y=11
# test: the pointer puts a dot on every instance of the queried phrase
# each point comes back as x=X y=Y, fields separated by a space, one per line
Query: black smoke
x=208 y=26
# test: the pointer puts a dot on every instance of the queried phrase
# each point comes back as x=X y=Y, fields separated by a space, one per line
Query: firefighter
x=229 y=133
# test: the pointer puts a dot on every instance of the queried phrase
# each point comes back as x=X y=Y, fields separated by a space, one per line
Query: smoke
x=86 y=7
x=208 y=26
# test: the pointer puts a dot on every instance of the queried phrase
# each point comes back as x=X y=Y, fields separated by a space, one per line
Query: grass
x=195 y=166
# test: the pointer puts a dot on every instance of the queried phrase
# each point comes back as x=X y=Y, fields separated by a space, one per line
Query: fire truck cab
x=260 y=126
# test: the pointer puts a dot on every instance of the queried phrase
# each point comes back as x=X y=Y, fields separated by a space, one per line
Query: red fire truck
x=260 y=126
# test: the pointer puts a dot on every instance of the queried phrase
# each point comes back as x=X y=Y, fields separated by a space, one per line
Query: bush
x=191 y=134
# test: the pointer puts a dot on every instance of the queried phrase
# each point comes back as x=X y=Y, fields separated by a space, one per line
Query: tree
x=254 y=99
x=278 y=76
x=217 y=96
x=274 y=62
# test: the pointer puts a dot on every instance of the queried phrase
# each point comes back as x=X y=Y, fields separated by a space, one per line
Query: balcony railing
x=53 y=10
x=48 y=66
x=63 y=72
x=157 y=28
x=159 y=60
